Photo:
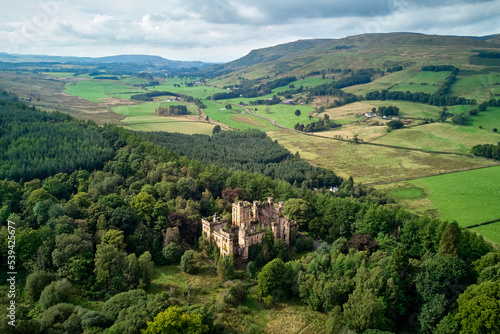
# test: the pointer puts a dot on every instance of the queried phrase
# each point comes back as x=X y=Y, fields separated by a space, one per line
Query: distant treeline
x=249 y=150
x=320 y=125
x=488 y=54
x=249 y=90
x=149 y=96
x=172 y=110
x=438 y=68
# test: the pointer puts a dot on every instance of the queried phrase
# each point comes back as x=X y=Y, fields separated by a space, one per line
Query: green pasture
x=386 y=82
x=59 y=74
x=236 y=117
x=198 y=92
x=408 y=109
x=284 y=114
x=488 y=119
x=481 y=87
x=490 y=232
x=424 y=81
x=469 y=197
x=95 y=90
x=439 y=137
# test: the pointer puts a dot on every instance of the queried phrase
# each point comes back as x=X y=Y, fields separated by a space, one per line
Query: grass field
x=408 y=109
x=440 y=137
x=469 y=197
x=386 y=82
x=97 y=90
x=490 y=232
x=425 y=81
x=284 y=114
x=235 y=117
x=488 y=119
x=367 y=163
x=199 y=92
x=477 y=86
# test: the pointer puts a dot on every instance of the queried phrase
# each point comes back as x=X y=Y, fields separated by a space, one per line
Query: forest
x=89 y=241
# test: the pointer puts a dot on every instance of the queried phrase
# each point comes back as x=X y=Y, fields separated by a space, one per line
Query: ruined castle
x=249 y=223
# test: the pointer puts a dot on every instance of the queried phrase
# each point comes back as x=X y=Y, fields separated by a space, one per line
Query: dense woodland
x=89 y=237
x=249 y=150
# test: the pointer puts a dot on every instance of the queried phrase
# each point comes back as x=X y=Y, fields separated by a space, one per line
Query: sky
x=222 y=30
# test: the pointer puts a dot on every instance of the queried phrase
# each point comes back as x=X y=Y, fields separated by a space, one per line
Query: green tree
x=450 y=240
x=36 y=282
x=281 y=249
x=364 y=310
x=144 y=205
x=297 y=112
x=270 y=279
x=216 y=129
x=252 y=270
x=225 y=267
x=299 y=210
x=174 y=321
x=236 y=294
x=479 y=309
x=190 y=263
x=172 y=253
x=395 y=124
x=55 y=293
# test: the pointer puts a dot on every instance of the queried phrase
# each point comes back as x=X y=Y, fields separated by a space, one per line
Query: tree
x=189 y=262
x=216 y=129
x=479 y=309
x=299 y=210
x=297 y=112
x=450 y=240
x=495 y=129
x=395 y=124
x=270 y=278
x=172 y=253
x=364 y=310
x=144 y=205
x=281 y=250
x=228 y=106
x=252 y=270
x=225 y=267
x=173 y=321
x=55 y=293
x=36 y=282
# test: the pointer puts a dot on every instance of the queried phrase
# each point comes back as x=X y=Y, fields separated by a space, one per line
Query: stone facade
x=249 y=223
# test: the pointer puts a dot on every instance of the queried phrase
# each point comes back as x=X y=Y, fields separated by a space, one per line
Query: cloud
x=222 y=29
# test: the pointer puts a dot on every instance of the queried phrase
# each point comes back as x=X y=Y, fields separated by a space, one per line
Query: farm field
x=439 y=137
x=469 y=197
x=284 y=114
x=408 y=109
x=490 y=231
x=198 y=92
x=97 y=90
x=386 y=82
x=424 y=81
x=488 y=119
x=479 y=86
x=236 y=117
x=369 y=164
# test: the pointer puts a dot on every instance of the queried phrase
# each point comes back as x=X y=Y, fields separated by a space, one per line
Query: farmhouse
x=249 y=223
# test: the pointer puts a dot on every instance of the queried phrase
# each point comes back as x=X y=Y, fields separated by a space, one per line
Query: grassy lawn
x=469 y=197
x=440 y=137
x=367 y=164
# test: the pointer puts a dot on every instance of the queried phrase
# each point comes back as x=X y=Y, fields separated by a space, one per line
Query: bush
x=172 y=253
x=189 y=262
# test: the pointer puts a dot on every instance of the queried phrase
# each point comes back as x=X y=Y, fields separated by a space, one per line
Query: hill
x=382 y=50
x=119 y=59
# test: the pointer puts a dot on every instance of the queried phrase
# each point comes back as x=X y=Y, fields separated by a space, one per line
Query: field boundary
x=482 y=224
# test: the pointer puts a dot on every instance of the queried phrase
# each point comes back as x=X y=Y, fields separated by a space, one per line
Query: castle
x=249 y=223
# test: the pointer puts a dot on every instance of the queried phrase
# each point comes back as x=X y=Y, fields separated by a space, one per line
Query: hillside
x=355 y=52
